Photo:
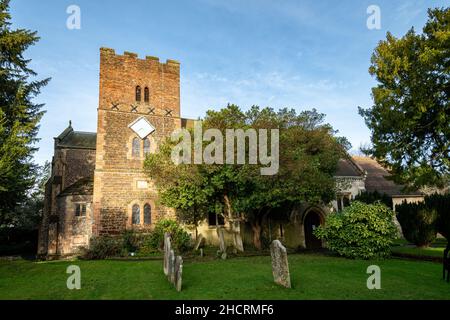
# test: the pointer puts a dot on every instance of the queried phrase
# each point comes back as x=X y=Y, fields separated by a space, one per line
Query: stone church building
x=97 y=184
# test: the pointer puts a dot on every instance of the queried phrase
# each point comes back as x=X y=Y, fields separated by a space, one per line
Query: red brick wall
x=116 y=171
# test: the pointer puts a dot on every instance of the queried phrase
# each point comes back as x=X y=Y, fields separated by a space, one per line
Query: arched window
x=146 y=95
x=138 y=93
x=147 y=214
x=136 y=152
x=136 y=215
x=146 y=146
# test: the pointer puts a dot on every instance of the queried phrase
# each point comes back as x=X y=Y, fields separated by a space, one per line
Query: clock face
x=142 y=127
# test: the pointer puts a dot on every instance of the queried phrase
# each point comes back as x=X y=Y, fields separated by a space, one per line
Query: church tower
x=139 y=106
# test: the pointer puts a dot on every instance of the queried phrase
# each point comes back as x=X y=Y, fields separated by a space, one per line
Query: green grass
x=436 y=250
x=432 y=252
x=313 y=277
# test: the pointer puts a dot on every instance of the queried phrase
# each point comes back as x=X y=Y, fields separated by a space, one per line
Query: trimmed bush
x=441 y=202
x=181 y=240
x=360 y=231
x=418 y=221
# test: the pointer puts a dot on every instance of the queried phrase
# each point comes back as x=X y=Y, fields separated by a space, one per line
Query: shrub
x=104 y=247
x=180 y=238
x=132 y=241
x=441 y=202
x=146 y=247
x=418 y=221
x=362 y=231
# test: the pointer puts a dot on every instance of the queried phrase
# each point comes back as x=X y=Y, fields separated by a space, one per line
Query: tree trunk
x=228 y=206
x=234 y=225
x=256 y=228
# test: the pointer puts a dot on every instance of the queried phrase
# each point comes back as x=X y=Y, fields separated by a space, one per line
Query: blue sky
x=299 y=54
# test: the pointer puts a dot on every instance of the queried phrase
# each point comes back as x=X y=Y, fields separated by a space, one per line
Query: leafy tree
x=309 y=152
x=19 y=115
x=360 y=231
x=410 y=116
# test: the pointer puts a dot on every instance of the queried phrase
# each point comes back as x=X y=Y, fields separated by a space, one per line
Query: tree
x=19 y=115
x=410 y=116
x=309 y=152
x=28 y=214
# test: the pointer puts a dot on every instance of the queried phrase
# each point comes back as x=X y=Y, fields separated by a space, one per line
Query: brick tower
x=139 y=105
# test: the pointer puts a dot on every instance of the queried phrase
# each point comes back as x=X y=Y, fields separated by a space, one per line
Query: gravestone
x=167 y=248
x=280 y=266
x=171 y=267
x=178 y=273
x=222 y=247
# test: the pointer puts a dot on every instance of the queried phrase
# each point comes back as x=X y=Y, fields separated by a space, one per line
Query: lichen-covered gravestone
x=167 y=248
x=171 y=267
x=280 y=266
x=178 y=272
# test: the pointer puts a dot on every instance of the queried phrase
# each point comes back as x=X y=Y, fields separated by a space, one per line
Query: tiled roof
x=348 y=168
x=376 y=179
x=76 y=139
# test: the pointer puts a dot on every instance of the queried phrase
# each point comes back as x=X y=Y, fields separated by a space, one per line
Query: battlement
x=131 y=55
x=143 y=86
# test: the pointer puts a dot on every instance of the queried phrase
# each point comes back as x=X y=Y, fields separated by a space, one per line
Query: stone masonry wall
x=119 y=180
x=73 y=232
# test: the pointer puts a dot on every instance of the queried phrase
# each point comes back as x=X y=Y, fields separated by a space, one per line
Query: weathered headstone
x=171 y=267
x=178 y=273
x=167 y=248
x=222 y=246
x=280 y=266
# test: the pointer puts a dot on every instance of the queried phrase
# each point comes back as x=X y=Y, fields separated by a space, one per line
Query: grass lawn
x=421 y=252
x=436 y=250
x=313 y=276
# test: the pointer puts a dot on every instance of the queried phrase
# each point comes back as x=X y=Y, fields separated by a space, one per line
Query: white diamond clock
x=141 y=127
